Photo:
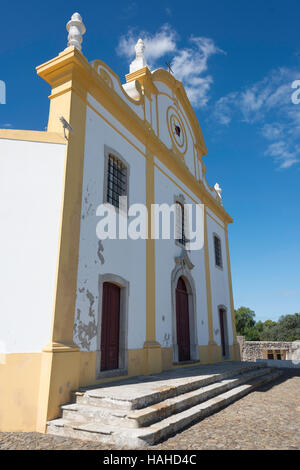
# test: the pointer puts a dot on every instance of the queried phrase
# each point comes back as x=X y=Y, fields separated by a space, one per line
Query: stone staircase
x=142 y=411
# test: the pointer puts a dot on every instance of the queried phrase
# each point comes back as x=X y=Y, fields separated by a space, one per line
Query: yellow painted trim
x=144 y=155
x=151 y=112
x=218 y=223
x=109 y=71
x=236 y=348
x=87 y=78
x=152 y=349
x=179 y=91
x=176 y=184
x=157 y=117
x=150 y=253
x=181 y=111
x=212 y=344
x=33 y=136
x=61 y=358
x=195 y=165
x=19 y=386
x=144 y=77
x=115 y=129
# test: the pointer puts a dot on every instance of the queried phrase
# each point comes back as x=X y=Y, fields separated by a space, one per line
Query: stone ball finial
x=76 y=30
x=139 y=62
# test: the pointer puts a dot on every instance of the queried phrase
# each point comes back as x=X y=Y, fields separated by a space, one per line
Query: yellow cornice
x=147 y=79
x=144 y=77
x=174 y=162
x=34 y=136
x=71 y=70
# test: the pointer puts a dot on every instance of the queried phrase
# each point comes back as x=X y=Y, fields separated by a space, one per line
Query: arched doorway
x=110 y=326
x=182 y=321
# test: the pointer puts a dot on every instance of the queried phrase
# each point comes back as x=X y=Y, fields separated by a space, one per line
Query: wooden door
x=110 y=327
x=222 y=330
x=182 y=321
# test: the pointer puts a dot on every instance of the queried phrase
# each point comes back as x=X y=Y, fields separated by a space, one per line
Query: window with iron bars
x=180 y=226
x=218 y=251
x=116 y=180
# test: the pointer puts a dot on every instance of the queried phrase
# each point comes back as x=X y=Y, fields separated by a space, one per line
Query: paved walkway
x=268 y=418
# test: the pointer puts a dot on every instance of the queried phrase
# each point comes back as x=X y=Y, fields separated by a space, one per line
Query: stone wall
x=253 y=350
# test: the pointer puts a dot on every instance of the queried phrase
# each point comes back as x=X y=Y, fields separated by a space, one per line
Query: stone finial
x=76 y=30
x=218 y=190
x=139 y=62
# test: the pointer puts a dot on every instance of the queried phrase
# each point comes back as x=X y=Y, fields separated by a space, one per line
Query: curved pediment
x=178 y=94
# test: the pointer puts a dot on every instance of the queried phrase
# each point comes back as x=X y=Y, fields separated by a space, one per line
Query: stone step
x=149 y=435
x=142 y=392
x=145 y=416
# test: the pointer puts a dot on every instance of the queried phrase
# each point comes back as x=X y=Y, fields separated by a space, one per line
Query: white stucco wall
x=31 y=188
x=165 y=253
x=125 y=258
x=219 y=278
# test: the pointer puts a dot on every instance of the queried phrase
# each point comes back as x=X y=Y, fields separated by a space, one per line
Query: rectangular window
x=218 y=252
x=116 y=180
x=180 y=224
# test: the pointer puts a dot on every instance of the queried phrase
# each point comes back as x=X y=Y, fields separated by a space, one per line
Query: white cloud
x=157 y=45
x=189 y=64
x=268 y=105
x=272 y=131
x=281 y=153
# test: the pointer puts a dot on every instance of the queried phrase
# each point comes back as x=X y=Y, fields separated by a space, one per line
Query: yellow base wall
x=30 y=397
x=19 y=388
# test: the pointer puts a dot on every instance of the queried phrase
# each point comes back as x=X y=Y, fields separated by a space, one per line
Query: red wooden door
x=222 y=330
x=182 y=321
x=110 y=327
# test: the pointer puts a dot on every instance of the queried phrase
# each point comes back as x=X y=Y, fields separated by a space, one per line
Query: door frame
x=123 y=332
x=183 y=317
x=182 y=270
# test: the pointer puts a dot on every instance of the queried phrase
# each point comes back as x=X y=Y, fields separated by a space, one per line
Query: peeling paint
x=100 y=252
x=86 y=333
x=92 y=301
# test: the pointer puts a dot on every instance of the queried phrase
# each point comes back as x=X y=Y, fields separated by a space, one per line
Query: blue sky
x=237 y=60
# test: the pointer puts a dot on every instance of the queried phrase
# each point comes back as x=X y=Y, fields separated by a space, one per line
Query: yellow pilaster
x=152 y=349
x=60 y=365
x=236 y=347
x=213 y=348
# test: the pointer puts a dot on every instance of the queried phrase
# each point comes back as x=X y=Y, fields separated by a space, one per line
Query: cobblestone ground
x=268 y=418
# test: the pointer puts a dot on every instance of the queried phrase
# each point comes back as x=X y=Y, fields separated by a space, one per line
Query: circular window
x=176 y=129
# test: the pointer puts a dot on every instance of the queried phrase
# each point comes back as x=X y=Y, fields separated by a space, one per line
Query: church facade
x=76 y=309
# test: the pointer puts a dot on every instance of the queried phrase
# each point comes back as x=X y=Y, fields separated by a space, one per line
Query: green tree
x=288 y=328
x=268 y=331
x=245 y=323
x=252 y=334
